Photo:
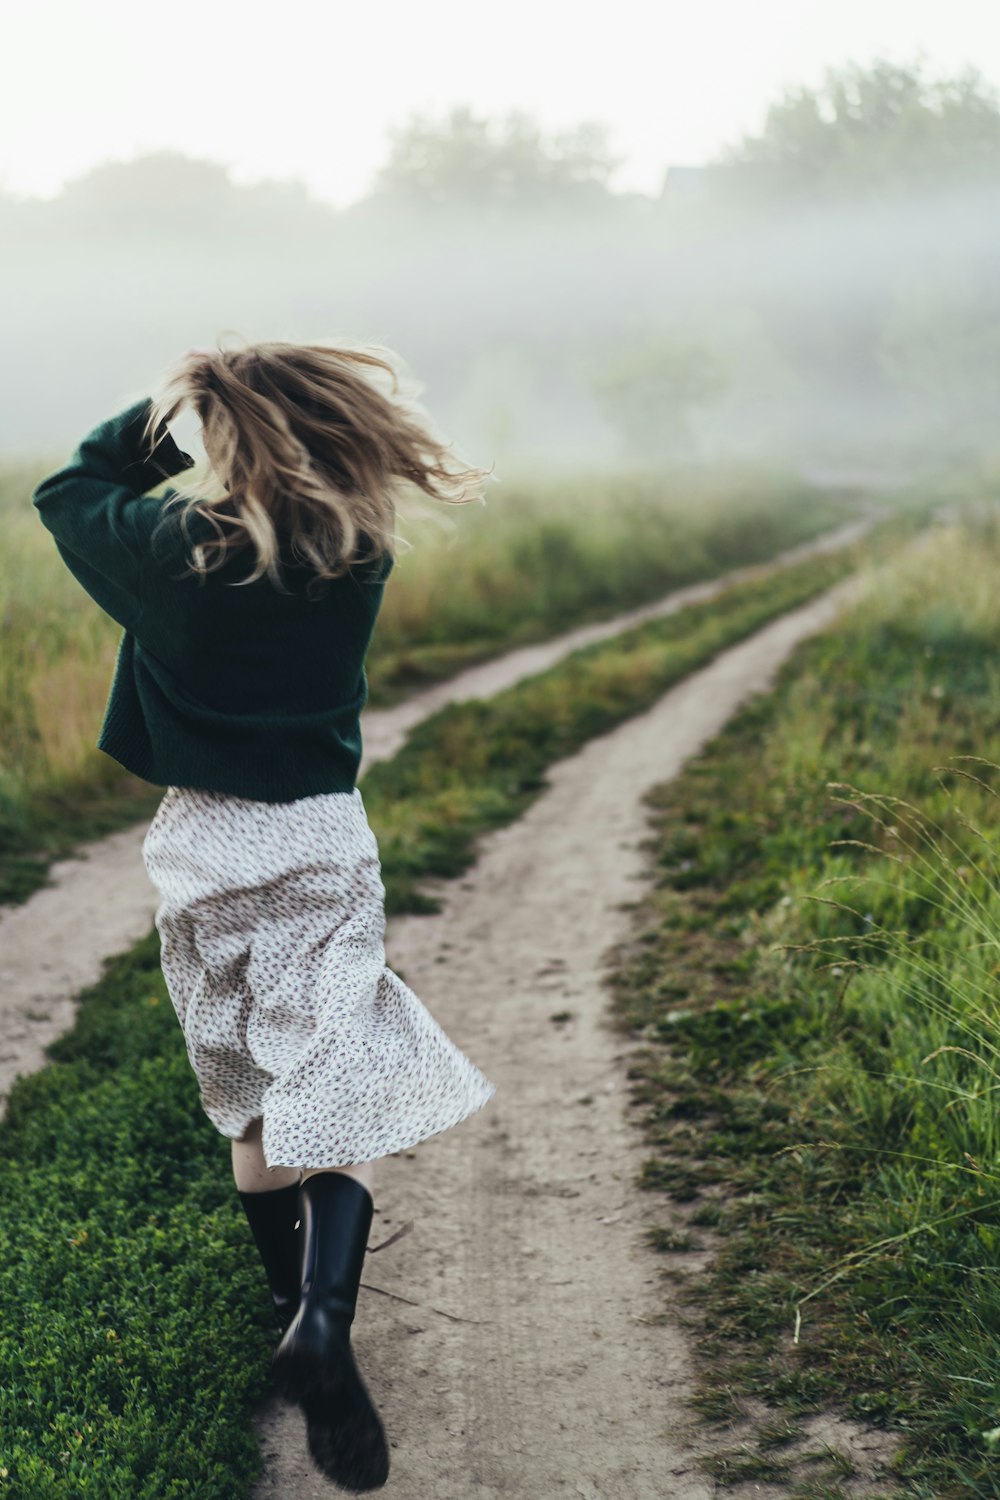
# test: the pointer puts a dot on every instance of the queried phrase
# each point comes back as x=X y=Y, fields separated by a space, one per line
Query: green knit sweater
x=243 y=690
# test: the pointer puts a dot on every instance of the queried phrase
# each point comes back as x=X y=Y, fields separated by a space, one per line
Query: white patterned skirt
x=271 y=924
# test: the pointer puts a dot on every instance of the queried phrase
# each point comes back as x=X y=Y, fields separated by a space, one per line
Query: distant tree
x=469 y=162
x=171 y=191
x=940 y=343
x=499 y=384
x=649 y=391
x=156 y=186
x=888 y=124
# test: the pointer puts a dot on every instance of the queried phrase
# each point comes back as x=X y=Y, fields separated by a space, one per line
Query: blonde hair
x=301 y=443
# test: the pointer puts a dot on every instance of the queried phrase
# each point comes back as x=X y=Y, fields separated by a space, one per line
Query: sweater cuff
x=141 y=470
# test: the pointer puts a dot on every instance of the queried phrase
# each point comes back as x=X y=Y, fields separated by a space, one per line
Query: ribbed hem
x=276 y=780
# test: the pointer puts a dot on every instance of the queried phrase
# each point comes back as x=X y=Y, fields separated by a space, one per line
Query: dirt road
x=539 y=1360
x=100 y=901
x=526 y=1349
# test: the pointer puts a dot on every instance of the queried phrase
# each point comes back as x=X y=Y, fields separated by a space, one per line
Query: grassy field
x=533 y=562
x=477 y=765
x=528 y=564
x=137 y=1335
x=813 y=985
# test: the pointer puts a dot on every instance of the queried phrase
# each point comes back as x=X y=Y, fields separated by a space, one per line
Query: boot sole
x=294 y=1375
x=345 y=1435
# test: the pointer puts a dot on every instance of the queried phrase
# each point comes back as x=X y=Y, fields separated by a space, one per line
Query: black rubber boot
x=272 y=1216
x=314 y=1364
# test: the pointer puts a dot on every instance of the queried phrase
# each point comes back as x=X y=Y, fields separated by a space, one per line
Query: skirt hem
x=387 y=1145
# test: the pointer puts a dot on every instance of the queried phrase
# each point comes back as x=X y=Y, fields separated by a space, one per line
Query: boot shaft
x=272 y=1216
x=337 y=1213
x=314 y=1363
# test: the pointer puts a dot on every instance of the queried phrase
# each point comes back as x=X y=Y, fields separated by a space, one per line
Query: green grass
x=137 y=1329
x=476 y=765
x=812 y=985
x=530 y=563
x=135 y=1336
x=536 y=561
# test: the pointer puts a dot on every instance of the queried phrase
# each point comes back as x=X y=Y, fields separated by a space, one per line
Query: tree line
x=826 y=280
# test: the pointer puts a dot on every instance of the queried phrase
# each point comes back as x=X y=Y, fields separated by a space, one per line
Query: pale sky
x=308 y=89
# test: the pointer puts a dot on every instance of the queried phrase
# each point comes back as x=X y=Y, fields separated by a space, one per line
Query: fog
x=833 y=311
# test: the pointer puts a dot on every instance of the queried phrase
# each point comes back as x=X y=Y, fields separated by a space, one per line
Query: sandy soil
x=537 y=1356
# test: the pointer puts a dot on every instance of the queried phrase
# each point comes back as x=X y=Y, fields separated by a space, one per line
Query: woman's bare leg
x=252 y=1174
x=250 y=1171
x=363 y=1171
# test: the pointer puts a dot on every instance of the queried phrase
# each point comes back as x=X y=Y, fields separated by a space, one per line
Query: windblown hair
x=303 y=447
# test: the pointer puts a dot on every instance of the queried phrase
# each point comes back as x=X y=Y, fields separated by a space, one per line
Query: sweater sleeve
x=85 y=505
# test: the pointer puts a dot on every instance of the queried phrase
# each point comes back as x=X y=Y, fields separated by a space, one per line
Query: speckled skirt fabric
x=271 y=924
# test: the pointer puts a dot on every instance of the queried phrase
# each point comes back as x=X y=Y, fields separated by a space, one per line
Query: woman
x=248 y=600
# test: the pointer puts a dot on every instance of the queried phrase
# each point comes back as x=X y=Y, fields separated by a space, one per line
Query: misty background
x=823 y=294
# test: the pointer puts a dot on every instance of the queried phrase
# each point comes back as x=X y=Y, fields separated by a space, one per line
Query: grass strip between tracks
x=476 y=765
x=812 y=985
x=136 y=1334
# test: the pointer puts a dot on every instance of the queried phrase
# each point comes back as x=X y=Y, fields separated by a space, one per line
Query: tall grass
x=536 y=560
x=919 y=930
x=533 y=562
x=817 y=981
